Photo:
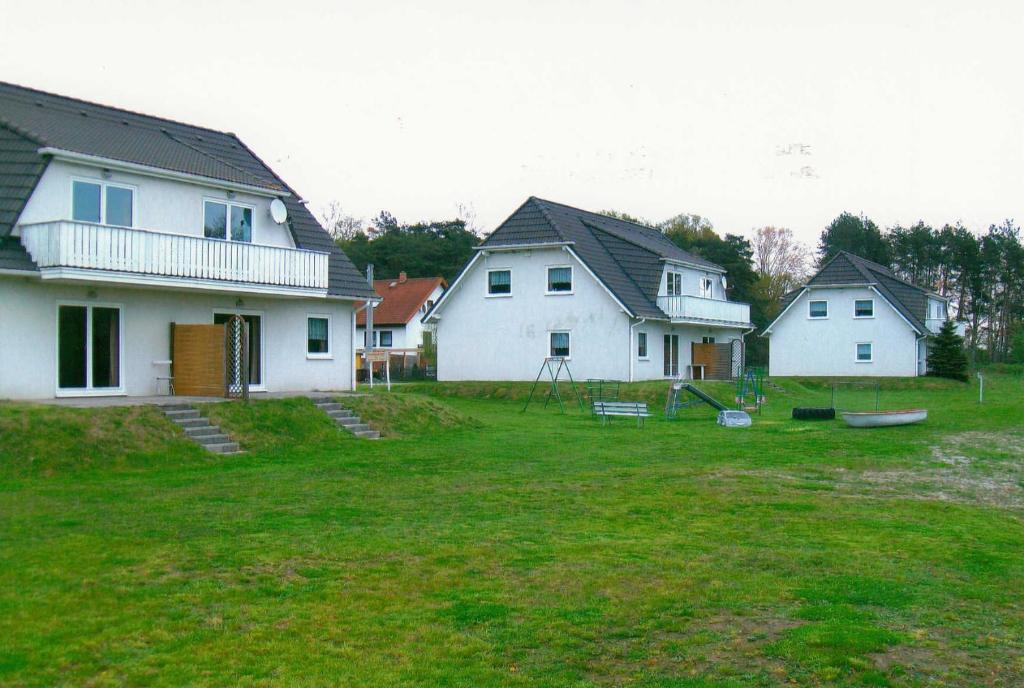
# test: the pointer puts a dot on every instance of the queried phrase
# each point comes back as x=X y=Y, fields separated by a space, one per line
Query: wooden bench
x=635 y=409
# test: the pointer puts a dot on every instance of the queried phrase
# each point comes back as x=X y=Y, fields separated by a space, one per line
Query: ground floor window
x=641 y=345
x=88 y=347
x=559 y=344
x=707 y=340
x=318 y=338
x=864 y=352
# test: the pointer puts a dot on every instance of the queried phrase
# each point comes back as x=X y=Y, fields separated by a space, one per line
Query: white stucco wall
x=28 y=335
x=691 y=281
x=653 y=367
x=161 y=205
x=803 y=346
x=507 y=337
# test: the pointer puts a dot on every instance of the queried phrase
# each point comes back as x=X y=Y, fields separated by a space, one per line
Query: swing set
x=554 y=365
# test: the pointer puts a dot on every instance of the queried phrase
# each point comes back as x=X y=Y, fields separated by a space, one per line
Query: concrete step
x=347 y=421
x=367 y=434
x=357 y=427
x=181 y=414
x=192 y=422
x=223 y=448
x=202 y=431
x=328 y=406
x=340 y=413
x=207 y=440
x=175 y=407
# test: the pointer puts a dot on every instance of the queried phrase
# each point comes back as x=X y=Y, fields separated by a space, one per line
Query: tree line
x=983 y=274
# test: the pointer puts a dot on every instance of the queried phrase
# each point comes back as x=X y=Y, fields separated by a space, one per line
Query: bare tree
x=339 y=224
x=780 y=261
x=467 y=213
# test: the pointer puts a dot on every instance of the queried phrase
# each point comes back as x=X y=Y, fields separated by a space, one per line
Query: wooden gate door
x=197 y=360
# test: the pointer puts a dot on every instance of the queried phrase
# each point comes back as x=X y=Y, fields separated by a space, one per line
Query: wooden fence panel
x=198 y=360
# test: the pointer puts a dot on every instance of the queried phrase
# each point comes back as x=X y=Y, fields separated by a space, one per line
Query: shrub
x=946 y=357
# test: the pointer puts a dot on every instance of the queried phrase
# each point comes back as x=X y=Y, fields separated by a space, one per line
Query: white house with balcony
x=114 y=226
x=616 y=299
x=855 y=318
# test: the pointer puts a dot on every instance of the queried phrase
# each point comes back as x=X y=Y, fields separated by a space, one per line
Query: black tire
x=813 y=413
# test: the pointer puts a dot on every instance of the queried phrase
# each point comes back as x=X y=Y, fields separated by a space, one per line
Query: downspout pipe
x=629 y=349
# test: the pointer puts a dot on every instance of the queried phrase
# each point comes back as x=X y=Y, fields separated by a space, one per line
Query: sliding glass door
x=255 y=332
x=671 y=355
x=88 y=349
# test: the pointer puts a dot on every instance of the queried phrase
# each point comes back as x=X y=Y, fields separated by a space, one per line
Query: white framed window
x=227 y=221
x=864 y=353
x=102 y=202
x=641 y=346
x=674 y=284
x=385 y=338
x=499 y=282
x=318 y=336
x=89 y=348
x=864 y=308
x=707 y=288
x=559 y=345
x=707 y=340
x=560 y=279
x=817 y=309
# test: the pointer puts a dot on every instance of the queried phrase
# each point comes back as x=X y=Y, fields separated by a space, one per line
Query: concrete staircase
x=199 y=430
x=345 y=418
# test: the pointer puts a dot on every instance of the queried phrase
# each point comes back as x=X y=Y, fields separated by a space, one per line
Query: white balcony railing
x=697 y=308
x=85 y=246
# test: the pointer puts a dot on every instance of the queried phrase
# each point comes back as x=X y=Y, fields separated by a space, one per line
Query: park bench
x=632 y=409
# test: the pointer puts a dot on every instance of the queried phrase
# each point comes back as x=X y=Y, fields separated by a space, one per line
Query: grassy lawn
x=478 y=545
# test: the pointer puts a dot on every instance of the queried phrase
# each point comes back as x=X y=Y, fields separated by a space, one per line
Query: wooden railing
x=697 y=308
x=68 y=244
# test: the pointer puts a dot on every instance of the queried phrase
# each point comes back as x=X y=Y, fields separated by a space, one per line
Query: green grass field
x=480 y=546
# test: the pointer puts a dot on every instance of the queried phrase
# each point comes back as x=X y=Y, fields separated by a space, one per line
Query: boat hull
x=882 y=419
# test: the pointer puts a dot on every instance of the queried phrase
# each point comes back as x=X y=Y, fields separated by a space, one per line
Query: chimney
x=402 y=277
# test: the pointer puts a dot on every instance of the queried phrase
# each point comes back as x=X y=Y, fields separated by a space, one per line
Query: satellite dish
x=278 y=211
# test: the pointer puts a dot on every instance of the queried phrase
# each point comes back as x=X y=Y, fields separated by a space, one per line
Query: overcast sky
x=749 y=113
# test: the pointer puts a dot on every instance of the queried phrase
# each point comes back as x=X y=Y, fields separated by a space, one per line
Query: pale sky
x=749 y=113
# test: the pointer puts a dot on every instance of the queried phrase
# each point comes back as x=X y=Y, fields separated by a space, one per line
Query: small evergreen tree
x=946 y=357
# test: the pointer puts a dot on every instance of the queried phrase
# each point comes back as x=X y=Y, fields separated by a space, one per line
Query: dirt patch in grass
x=396 y=415
x=972 y=467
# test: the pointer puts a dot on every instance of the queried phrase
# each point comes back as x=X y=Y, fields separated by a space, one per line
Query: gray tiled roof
x=625 y=256
x=31 y=119
x=846 y=268
x=13 y=255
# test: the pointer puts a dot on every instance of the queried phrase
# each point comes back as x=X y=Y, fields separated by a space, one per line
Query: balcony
x=697 y=309
x=90 y=252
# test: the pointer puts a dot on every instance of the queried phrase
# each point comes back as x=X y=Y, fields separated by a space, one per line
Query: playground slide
x=710 y=401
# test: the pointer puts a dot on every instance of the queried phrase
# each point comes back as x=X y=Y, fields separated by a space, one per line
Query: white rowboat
x=880 y=419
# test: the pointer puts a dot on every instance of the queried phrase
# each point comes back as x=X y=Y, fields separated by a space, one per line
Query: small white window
x=641 y=345
x=318 y=336
x=674 y=284
x=707 y=340
x=385 y=338
x=560 y=280
x=102 y=203
x=559 y=345
x=706 y=287
x=499 y=282
x=864 y=308
x=817 y=309
x=864 y=352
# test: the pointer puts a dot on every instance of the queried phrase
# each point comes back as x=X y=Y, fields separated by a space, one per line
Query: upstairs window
x=706 y=287
x=560 y=345
x=641 y=345
x=385 y=338
x=318 y=343
x=559 y=280
x=219 y=217
x=102 y=203
x=817 y=309
x=674 y=284
x=864 y=308
x=499 y=282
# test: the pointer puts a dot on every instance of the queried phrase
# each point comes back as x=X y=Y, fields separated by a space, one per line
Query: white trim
x=185 y=283
x=768 y=330
x=227 y=220
x=149 y=170
x=262 y=386
x=694 y=266
x=511 y=248
x=487 y=284
x=863 y=317
x=597 y=279
x=329 y=354
x=550 y=353
x=103 y=184
x=871 y=345
x=89 y=390
x=817 y=317
x=547 y=280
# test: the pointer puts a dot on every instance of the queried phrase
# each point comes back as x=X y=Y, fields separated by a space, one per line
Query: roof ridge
x=114 y=108
x=24 y=133
x=648 y=228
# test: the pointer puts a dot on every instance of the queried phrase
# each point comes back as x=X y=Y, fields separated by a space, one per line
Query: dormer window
x=706 y=287
x=102 y=203
x=219 y=216
x=674 y=284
